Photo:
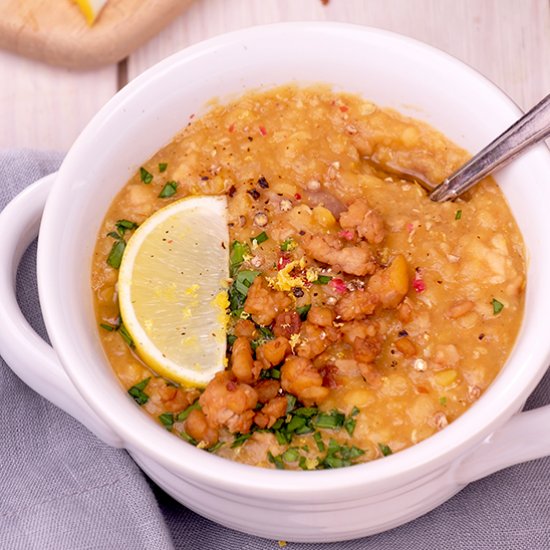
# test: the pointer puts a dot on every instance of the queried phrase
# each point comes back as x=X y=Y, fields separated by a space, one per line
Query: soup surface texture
x=363 y=317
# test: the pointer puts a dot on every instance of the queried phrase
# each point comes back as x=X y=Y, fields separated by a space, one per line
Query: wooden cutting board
x=55 y=31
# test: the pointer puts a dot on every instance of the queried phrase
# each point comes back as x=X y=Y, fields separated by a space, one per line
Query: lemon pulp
x=173 y=289
x=90 y=8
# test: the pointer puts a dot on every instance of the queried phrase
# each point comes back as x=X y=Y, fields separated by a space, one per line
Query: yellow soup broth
x=374 y=316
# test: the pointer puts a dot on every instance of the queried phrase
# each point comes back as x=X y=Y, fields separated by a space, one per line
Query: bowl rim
x=184 y=460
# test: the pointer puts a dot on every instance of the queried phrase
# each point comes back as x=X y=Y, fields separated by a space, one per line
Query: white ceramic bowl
x=300 y=506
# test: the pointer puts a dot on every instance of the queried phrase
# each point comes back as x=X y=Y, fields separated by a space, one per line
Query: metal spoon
x=531 y=128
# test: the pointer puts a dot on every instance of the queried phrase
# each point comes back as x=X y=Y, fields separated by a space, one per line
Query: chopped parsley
x=167 y=420
x=385 y=449
x=288 y=245
x=322 y=280
x=236 y=256
x=497 y=306
x=443 y=401
x=231 y=339
x=339 y=456
x=302 y=311
x=125 y=335
x=137 y=392
x=276 y=460
x=169 y=189
x=146 y=177
x=186 y=412
x=108 y=327
x=240 y=439
x=458 y=214
x=115 y=256
x=163 y=166
x=124 y=225
x=239 y=290
x=332 y=420
x=261 y=238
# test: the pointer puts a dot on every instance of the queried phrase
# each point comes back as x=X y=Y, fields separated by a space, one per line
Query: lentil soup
x=363 y=317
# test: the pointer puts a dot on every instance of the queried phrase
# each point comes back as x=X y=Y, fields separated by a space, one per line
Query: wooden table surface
x=46 y=107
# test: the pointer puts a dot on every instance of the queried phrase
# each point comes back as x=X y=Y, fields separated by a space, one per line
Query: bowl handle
x=524 y=437
x=27 y=354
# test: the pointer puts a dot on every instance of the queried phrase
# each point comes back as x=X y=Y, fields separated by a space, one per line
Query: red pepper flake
x=338 y=285
x=231 y=385
x=344 y=108
x=231 y=128
x=284 y=260
x=410 y=227
x=297 y=196
x=419 y=285
x=263 y=131
x=191 y=116
x=347 y=234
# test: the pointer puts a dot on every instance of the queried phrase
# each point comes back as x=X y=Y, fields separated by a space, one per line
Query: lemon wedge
x=90 y=9
x=172 y=289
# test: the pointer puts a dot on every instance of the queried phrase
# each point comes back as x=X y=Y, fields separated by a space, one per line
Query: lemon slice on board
x=90 y=8
x=172 y=289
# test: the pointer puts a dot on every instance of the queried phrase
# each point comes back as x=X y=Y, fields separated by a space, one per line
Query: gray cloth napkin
x=61 y=488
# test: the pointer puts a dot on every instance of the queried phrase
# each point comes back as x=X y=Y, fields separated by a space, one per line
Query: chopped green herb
x=244 y=280
x=276 y=460
x=288 y=245
x=188 y=438
x=265 y=335
x=443 y=401
x=215 y=447
x=271 y=374
x=125 y=335
x=115 y=256
x=240 y=439
x=319 y=441
x=236 y=257
x=458 y=214
x=497 y=306
x=146 y=177
x=349 y=425
x=167 y=419
x=282 y=438
x=385 y=449
x=163 y=166
x=107 y=327
x=322 y=280
x=302 y=311
x=303 y=463
x=340 y=455
x=291 y=402
x=291 y=455
x=261 y=238
x=168 y=190
x=231 y=339
x=277 y=424
x=306 y=412
x=296 y=423
x=332 y=420
x=186 y=412
x=114 y=235
x=123 y=225
x=137 y=392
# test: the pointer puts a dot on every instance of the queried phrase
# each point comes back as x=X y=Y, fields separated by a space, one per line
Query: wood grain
x=57 y=33
x=506 y=40
x=46 y=107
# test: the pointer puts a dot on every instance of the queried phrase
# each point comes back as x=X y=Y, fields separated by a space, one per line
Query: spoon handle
x=531 y=128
